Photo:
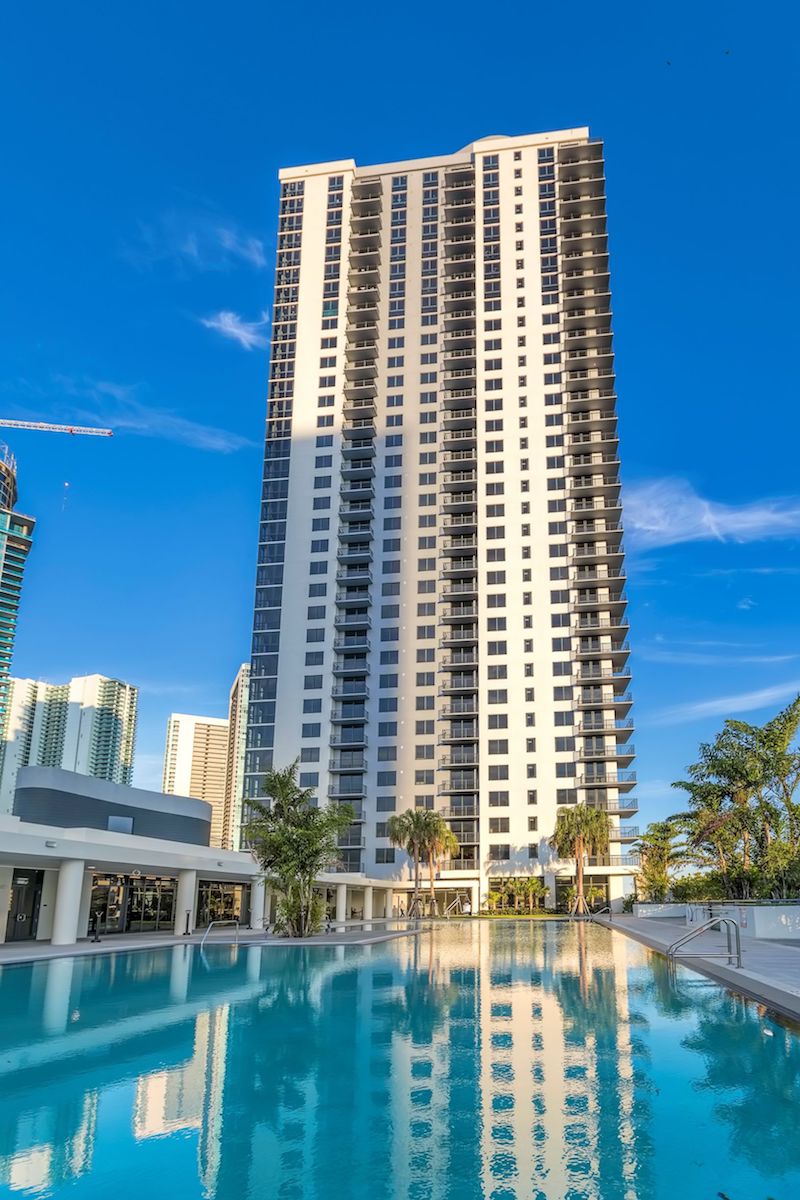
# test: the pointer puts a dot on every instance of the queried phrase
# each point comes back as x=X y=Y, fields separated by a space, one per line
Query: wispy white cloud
x=746 y=603
x=666 y=512
x=249 y=334
x=689 y=658
x=121 y=408
x=197 y=239
x=722 y=571
x=727 y=706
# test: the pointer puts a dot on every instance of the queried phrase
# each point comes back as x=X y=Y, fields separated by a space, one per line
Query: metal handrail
x=600 y=912
x=211 y=924
x=456 y=905
x=729 y=923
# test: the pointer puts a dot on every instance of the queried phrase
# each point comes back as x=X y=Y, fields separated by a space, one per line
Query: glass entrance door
x=23 y=909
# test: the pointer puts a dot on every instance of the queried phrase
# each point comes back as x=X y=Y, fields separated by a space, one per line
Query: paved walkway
x=24 y=952
x=770 y=971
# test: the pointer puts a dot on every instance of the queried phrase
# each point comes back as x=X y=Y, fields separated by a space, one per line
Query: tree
x=535 y=891
x=659 y=857
x=411 y=831
x=580 y=831
x=293 y=842
x=743 y=820
x=441 y=843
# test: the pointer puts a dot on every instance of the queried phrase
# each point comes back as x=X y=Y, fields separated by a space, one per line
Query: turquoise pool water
x=484 y=1060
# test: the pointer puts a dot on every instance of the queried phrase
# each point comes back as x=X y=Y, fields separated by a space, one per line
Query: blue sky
x=140 y=146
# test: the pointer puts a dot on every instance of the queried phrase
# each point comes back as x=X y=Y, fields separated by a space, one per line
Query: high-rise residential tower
x=440 y=605
x=195 y=764
x=87 y=725
x=16 y=532
x=234 y=775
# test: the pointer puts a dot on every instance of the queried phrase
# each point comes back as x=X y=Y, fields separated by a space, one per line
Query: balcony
x=460 y=613
x=460 y=812
x=458 y=683
x=458 y=732
x=605 y=753
x=460 y=658
x=353 y=642
x=348 y=740
x=355 y=531
x=615 y=860
x=351 y=792
x=460 y=864
x=460 y=588
x=458 y=566
x=616 y=779
x=467 y=707
x=592 y=725
x=352 y=620
x=344 y=714
x=459 y=783
x=360 y=510
x=347 y=762
x=351 y=664
x=450 y=762
x=466 y=635
x=351 y=689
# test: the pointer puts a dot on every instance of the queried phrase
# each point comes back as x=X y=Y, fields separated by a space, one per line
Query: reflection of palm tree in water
x=762 y=1071
x=427 y=996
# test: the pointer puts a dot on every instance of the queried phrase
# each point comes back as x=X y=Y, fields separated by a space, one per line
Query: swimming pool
x=501 y=1060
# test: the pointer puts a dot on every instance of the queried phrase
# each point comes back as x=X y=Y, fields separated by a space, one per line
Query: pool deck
x=770 y=971
x=30 y=952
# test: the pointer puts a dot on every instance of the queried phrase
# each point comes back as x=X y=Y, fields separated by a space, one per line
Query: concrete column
x=388 y=903
x=185 y=901
x=258 y=894
x=341 y=903
x=6 y=877
x=367 y=906
x=68 y=902
x=475 y=898
x=57 y=991
x=179 y=972
x=86 y=904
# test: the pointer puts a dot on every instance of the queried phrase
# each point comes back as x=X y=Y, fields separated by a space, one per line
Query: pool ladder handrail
x=211 y=924
x=456 y=905
x=729 y=923
x=600 y=911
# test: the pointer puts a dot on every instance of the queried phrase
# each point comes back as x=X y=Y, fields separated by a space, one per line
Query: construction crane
x=89 y=430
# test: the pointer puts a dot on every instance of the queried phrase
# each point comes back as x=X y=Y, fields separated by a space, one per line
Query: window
x=533 y=851
x=311 y=729
x=498 y=720
x=498 y=799
x=384 y=854
x=386 y=804
x=498 y=771
x=499 y=853
x=497 y=696
x=498 y=745
x=498 y=824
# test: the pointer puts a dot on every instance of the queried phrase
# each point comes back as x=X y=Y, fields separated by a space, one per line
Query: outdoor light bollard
x=95 y=931
x=188 y=917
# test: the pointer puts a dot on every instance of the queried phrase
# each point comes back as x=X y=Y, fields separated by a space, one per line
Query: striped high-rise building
x=87 y=725
x=16 y=533
x=440 y=600
x=196 y=764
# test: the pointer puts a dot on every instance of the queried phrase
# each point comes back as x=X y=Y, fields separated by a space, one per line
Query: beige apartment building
x=440 y=612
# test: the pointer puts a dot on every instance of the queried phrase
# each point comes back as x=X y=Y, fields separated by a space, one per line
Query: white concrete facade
x=440 y=605
x=71 y=859
x=234 y=775
x=196 y=763
x=87 y=725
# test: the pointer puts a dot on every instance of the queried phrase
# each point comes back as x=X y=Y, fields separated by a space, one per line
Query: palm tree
x=535 y=891
x=580 y=831
x=441 y=843
x=410 y=831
